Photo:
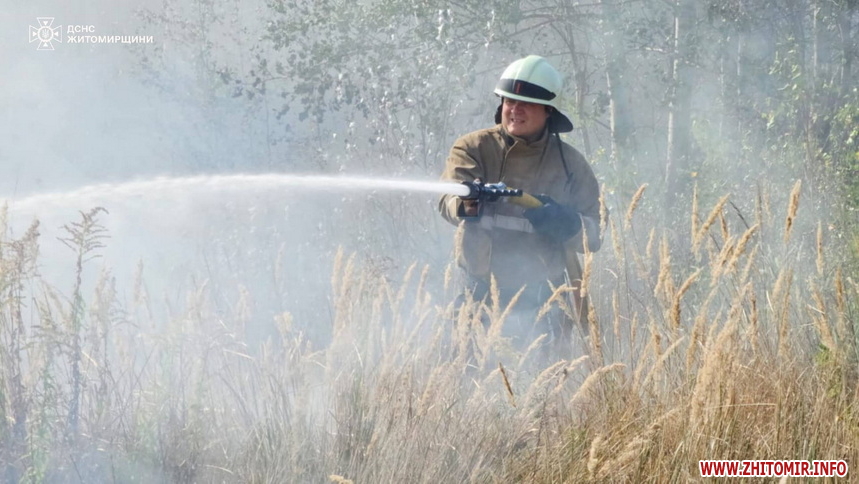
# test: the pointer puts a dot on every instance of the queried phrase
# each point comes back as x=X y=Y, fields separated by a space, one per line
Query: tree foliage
x=740 y=91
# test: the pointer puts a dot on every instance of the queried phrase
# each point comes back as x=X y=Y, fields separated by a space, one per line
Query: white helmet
x=534 y=80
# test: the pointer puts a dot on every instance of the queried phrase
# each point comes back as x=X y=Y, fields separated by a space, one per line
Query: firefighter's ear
x=498 y=113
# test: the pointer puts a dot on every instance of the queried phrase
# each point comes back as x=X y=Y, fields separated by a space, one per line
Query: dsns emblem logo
x=45 y=33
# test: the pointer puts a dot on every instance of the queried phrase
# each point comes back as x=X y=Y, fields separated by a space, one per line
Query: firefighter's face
x=523 y=119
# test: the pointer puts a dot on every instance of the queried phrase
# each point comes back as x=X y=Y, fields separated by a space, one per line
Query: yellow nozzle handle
x=526 y=201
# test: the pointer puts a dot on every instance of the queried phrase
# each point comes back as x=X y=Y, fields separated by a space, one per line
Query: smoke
x=89 y=114
x=152 y=126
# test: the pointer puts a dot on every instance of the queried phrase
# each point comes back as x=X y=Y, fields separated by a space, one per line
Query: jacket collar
x=511 y=140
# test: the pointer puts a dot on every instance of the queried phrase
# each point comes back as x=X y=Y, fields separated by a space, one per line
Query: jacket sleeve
x=584 y=197
x=462 y=164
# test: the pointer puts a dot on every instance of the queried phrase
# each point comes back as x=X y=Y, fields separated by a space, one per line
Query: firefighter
x=535 y=247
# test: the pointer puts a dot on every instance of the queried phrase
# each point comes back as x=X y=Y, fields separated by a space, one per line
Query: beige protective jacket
x=502 y=241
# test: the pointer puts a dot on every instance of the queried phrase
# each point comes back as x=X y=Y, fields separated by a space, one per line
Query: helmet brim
x=558 y=123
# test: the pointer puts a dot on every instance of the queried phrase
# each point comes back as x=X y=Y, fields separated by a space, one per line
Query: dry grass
x=748 y=358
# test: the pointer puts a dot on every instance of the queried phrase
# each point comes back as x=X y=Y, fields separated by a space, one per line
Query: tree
x=679 y=106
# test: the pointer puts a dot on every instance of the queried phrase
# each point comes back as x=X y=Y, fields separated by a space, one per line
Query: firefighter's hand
x=553 y=219
x=470 y=208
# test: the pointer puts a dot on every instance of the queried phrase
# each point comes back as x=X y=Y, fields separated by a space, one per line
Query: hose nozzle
x=489 y=192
